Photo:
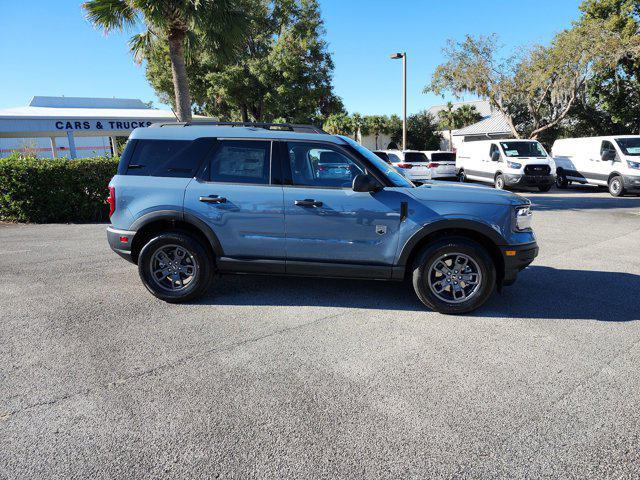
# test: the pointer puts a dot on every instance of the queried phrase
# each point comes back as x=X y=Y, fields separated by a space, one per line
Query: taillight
x=111 y=200
x=404 y=165
x=433 y=165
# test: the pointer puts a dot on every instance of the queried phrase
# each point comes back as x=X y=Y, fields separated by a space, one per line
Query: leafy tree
x=377 y=125
x=281 y=68
x=421 y=131
x=612 y=100
x=537 y=90
x=338 y=124
x=170 y=23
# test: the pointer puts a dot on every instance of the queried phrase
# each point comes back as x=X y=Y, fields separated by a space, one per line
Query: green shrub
x=45 y=190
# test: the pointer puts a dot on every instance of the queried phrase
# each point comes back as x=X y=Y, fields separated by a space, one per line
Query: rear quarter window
x=166 y=158
x=415 y=157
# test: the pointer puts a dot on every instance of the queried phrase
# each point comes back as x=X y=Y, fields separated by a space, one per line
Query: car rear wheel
x=561 y=181
x=175 y=267
x=454 y=276
x=616 y=186
x=499 y=182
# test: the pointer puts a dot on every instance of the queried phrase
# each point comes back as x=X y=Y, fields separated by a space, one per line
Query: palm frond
x=141 y=44
x=110 y=14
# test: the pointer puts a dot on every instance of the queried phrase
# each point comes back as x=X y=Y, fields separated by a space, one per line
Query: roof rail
x=290 y=127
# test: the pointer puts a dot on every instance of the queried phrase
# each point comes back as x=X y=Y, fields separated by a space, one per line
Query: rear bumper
x=517 y=258
x=120 y=242
x=529 y=180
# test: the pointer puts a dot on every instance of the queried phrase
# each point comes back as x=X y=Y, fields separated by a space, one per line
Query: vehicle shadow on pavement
x=540 y=292
x=545 y=292
x=320 y=292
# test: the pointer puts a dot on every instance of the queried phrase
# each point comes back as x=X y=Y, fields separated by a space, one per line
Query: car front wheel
x=616 y=186
x=499 y=182
x=454 y=276
x=175 y=267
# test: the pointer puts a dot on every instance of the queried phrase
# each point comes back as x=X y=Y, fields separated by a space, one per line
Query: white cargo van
x=506 y=163
x=612 y=161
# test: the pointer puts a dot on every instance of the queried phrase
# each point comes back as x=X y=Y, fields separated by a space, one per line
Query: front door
x=236 y=197
x=326 y=221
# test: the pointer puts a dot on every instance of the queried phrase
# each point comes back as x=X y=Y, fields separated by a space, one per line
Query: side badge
x=381 y=229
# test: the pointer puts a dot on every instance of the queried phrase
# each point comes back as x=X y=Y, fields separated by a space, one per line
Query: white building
x=492 y=125
x=74 y=127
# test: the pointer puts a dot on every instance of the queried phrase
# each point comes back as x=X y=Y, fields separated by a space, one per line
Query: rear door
x=446 y=162
x=419 y=164
x=239 y=195
x=326 y=221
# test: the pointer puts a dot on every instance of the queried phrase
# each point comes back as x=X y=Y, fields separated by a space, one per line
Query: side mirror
x=495 y=156
x=365 y=183
x=608 y=155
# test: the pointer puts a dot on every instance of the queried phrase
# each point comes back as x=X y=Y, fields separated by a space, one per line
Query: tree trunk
x=450 y=140
x=179 y=71
x=245 y=113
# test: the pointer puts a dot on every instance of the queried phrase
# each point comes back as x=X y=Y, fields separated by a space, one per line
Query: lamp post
x=403 y=56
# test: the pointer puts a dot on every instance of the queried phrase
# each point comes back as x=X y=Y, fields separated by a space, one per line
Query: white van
x=612 y=161
x=506 y=163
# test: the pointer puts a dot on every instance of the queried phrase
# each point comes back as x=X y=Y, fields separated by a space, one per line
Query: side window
x=319 y=165
x=608 y=147
x=494 y=148
x=393 y=158
x=167 y=158
x=240 y=161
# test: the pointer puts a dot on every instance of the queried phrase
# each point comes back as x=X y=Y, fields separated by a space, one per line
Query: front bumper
x=517 y=258
x=631 y=182
x=512 y=180
x=120 y=242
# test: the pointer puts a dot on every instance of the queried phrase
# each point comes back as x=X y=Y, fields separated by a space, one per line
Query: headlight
x=523 y=218
x=635 y=165
x=514 y=165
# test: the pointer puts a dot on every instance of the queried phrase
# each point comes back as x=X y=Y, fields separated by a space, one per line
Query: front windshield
x=629 y=146
x=523 y=149
x=391 y=173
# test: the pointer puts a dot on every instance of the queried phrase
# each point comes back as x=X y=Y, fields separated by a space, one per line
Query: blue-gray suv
x=191 y=201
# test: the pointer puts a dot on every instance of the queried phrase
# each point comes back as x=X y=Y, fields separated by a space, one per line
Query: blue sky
x=48 y=48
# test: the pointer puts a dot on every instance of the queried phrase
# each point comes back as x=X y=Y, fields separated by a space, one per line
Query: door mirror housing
x=608 y=156
x=365 y=183
x=495 y=156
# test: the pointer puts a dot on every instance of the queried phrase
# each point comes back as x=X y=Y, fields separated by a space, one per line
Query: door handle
x=213 y=199
x=307 y=202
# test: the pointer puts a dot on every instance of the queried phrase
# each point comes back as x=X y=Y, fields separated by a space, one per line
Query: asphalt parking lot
x=299 y=378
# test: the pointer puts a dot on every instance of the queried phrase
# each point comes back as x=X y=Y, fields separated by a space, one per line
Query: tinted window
x=388 y=171
x=320 y=165
x=240 y=161
x=415 y=157
x=167 y=158
x=383 y=156
x=523 y=149
x=443 y=157
x=629 y=146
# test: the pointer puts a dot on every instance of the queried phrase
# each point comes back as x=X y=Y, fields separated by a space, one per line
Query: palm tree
x=467 y=115
x=171 y=21
x=448 y=121
x=338 y=124
x=377 y=125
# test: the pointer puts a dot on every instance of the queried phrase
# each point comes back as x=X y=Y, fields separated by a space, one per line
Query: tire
x=462 y=177
x=499 y=182
x=561 y=181
x=177 y=254
x=544 y=188
x=428 y=275
x=616 y=186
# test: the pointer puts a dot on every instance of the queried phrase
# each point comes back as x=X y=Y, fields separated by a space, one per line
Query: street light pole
x=403 y=56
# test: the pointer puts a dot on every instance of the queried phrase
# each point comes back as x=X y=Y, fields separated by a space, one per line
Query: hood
x=465 y=193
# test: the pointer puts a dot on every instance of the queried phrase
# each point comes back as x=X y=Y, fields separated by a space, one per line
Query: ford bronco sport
x=190 y=201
